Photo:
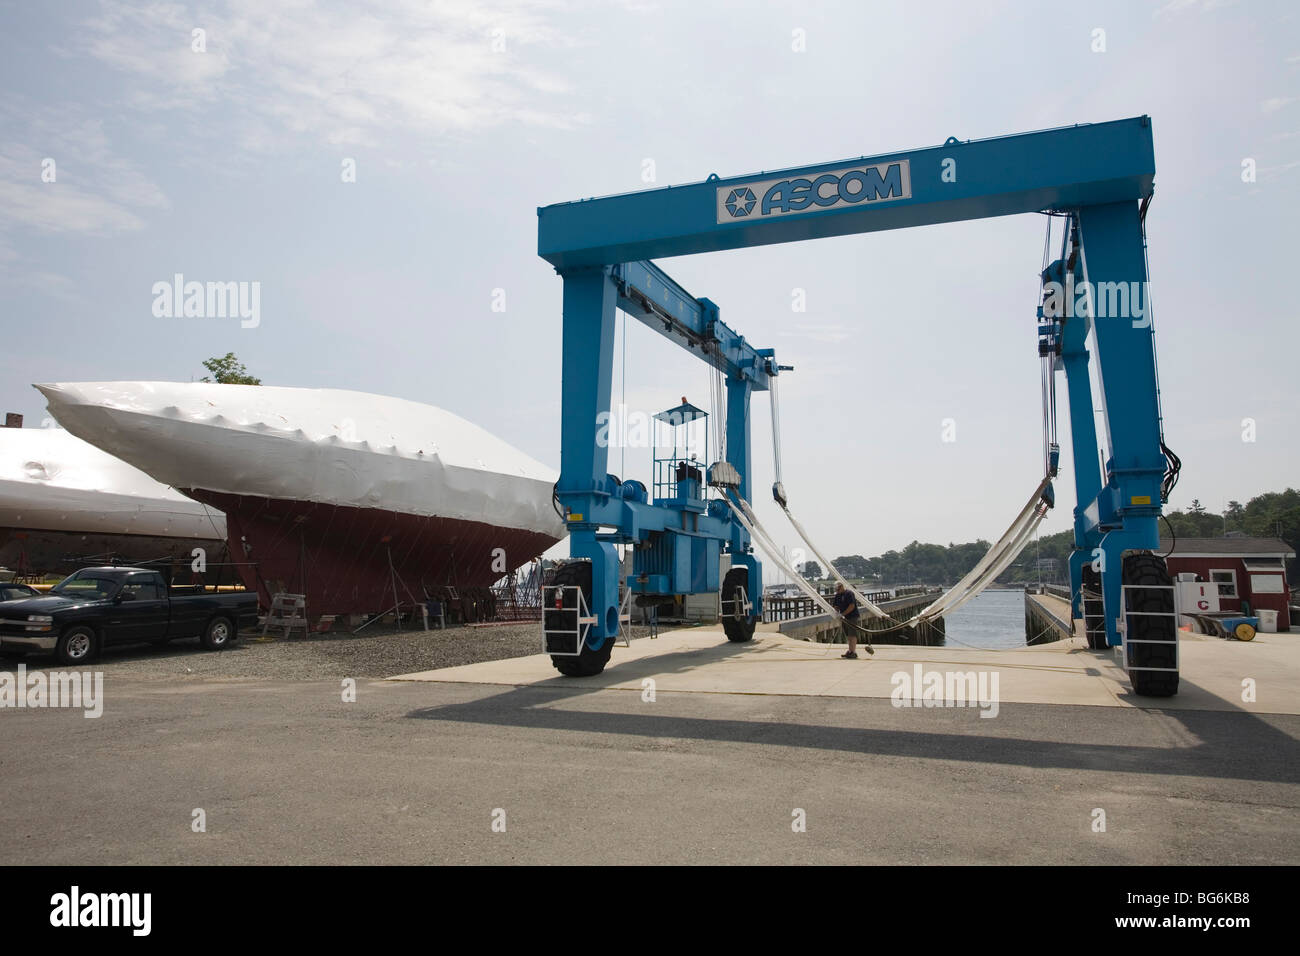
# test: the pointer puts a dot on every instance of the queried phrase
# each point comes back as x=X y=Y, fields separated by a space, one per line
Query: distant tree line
x=1274 y=514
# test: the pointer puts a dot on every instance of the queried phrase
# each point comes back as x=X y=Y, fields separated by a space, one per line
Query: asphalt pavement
x=290 y=772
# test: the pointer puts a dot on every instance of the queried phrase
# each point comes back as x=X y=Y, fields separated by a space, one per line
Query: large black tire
x=219 y=634
x=76 y=645
x=1094 y=615
x=737 y=629
x=588 y=662
x=1150 y=569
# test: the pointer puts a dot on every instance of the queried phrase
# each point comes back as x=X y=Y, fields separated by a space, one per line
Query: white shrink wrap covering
x=53 y=481
x=323 y=445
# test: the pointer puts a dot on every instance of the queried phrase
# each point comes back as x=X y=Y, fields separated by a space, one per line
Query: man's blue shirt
x=842 y=602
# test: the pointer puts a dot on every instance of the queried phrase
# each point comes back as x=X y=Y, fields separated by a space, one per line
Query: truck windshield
x=86 y=587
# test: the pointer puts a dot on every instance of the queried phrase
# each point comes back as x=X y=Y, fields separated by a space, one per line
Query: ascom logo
x=836 y=188
x=740 y=202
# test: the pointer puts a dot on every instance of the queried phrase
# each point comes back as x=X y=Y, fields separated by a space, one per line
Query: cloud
x=1179 y=6
x=54 y=285
x=1279 y=168
x=344 y=73
x=94 y=191
x=59 y=174
x=1275 y=103
x=153 y=41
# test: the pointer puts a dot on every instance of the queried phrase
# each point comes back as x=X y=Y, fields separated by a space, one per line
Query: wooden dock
x=1048 y=616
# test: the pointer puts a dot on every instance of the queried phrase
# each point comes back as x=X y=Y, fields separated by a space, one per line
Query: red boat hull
x=351 y=560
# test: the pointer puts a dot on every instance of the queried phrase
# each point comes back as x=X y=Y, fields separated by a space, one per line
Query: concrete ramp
x=702 y=661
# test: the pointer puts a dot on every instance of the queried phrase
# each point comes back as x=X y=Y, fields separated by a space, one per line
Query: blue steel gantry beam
x=648 y=293
x=1054 y=169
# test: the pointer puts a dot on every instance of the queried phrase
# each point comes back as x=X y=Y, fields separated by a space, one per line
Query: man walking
x=848 y=609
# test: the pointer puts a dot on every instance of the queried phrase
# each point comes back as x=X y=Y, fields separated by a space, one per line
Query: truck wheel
x=76 y=646
x=588 y=662
x=220 y=633
x=737 y=629
x=1094 y=617
x=1156 y=623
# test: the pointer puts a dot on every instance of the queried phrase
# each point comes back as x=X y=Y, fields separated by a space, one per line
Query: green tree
x=1234 y=516
x=812 y=571
x=852 y=566
x=228 y=370
x=1276 y=514
x=1196 y=522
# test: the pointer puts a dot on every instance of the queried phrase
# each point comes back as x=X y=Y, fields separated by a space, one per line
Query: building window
x=1263 y=564
x=1266 y=584
x=1227 y=582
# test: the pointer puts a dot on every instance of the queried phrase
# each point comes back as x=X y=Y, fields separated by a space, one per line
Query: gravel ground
x=374 y=653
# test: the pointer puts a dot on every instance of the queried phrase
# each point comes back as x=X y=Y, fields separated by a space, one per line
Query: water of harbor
x=994 y=619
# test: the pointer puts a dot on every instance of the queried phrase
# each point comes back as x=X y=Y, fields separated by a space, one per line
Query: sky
x=376 y=168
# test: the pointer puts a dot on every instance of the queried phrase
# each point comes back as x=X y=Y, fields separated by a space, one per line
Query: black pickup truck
x=101 y=607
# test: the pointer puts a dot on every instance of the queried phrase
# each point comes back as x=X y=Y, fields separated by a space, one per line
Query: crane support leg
x=1087 y=470
x=739 y=454
x=590 y=299
x=1123 y=516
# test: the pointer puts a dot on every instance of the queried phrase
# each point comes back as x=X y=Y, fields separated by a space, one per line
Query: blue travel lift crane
x=1096 y=178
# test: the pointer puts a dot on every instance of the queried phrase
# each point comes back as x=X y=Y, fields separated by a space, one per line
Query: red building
x=1250 y=572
